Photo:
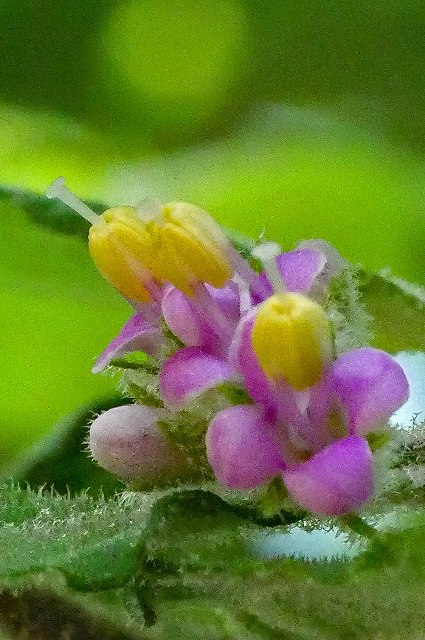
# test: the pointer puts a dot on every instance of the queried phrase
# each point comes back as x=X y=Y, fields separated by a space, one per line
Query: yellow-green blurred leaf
x=37 y=146
x=57 y=315
x=299 y=174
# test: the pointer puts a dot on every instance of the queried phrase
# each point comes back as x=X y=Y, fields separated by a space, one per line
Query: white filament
x=245 y=303
x=59 y=190
x=149 y=209
x=266 y=254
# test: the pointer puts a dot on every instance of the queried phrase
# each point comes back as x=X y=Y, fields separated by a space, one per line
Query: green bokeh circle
x=182 y=52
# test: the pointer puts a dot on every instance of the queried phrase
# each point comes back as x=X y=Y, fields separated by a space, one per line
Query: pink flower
x=208 y=330
x=207 y=320
x=315 y=440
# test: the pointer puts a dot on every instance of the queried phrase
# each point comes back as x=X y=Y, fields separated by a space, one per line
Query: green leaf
x=95 y=544
x=46 y=610
x=397 y=309
x=401 y=548
x=199 y=619
x=206 y=580
x=57 y=316
x=197 y=574
x=50 y=213
x=192 y=530
x=283 y=598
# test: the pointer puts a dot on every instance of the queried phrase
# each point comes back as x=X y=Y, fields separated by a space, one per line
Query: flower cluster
x=207 y=319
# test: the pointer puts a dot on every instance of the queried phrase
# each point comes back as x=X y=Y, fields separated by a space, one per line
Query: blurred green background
x=305 y=119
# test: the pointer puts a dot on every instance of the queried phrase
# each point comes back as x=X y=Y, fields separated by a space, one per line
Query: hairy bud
x=128 y=442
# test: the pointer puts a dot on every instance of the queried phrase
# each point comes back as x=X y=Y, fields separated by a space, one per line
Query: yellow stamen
x=108 y=245
x=134 y=248
x=190 y=247
x=181 y=245
x=292 y=339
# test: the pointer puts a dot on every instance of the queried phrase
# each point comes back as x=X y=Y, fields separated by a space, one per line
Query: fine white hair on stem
x=59 y=190
x=266 y=254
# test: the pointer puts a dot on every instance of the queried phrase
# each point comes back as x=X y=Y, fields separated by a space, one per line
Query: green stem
x=144 y=397
x=378 y=542
x=360 y=526
x=144 y=366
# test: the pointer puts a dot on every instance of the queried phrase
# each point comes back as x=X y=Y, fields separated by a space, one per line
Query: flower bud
x=292 y=339
x=128 y=442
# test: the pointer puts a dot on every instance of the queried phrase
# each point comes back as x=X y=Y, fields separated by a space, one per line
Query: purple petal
x=181 y=317
x=279 y=401
x=371 y=386
x=128 y=441
x=336 y=480
x=242 y=448
x=326 y=413
x=299 y=269
x=227 y=299
x=136 y=335
x=335 y=264
x=189 y=324
x=188 y=373
x=245 y=362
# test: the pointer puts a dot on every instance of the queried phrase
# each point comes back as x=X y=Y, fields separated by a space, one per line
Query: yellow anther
x=181 y=245
x=135 y=248
x=116 y=246
x=292 y=339
x=189 y=246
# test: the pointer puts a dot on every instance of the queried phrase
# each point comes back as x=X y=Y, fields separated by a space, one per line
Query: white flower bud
x=128 y=442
